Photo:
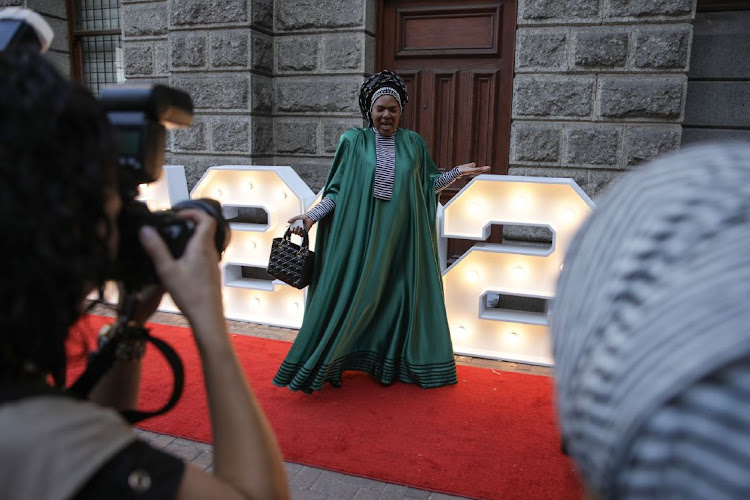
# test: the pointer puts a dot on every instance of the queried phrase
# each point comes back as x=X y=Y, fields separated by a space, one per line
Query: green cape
x=376 y=299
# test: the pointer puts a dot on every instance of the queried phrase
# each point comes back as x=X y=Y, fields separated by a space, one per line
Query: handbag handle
x=305 y=238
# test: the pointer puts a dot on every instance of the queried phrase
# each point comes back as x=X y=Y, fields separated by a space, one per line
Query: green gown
x=376 y=302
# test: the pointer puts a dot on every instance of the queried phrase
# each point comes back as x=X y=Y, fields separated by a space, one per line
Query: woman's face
x=386 y=114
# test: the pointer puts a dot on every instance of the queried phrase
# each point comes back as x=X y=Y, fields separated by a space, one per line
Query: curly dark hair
x=383 y=78
x=56 y=167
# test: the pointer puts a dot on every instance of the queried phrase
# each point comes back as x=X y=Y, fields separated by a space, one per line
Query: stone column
x=219 y=51
x=323 y=50
x=600 y=86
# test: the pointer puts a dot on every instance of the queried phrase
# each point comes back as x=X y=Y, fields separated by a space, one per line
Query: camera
x=140 y=115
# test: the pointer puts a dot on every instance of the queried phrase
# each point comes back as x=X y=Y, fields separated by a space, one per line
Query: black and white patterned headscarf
x=371 y=90
x=650 y=332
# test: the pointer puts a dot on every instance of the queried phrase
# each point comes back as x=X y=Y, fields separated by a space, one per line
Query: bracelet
x=131 y=340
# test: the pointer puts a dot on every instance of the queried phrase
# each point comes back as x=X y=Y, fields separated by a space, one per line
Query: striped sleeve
x=321 y=210
x=447 y=179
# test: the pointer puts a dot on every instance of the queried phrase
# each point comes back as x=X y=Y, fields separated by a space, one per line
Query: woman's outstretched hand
x=472 y=169
x=306 y=221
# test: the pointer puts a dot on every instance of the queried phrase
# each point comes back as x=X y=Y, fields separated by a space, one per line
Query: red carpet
x=491 y=436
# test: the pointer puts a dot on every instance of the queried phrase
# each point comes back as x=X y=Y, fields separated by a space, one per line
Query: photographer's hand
x=247 y=459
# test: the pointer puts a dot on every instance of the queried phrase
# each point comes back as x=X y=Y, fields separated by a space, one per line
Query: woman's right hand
x=306 y=221
x=193 y=280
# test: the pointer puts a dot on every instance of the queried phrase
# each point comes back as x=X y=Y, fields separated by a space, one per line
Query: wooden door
x=457 y=60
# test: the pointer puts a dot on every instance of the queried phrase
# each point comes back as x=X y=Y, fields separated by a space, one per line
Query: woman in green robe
x=375 y=303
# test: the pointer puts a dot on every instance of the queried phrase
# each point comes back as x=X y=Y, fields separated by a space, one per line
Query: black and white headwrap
x=382 y=80
x=650 y=332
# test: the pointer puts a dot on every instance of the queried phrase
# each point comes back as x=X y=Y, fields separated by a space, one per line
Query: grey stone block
x=552 y=96
x=161 y=57
x=297 y=53
x=192 y=138
x=210 y=91
x=188 y=50
x=541 y=49
x=534 y=142
x=343 y=51
x=143 y=20
x=261 y=13
x=229 y=49
x=642 y=97
x=662 y=48
x=720 y=56
x=698 y=135
x=295 y=137
x=11 y=3
x=230 y=134
x=649 y=8
x=600 y=49
x=49 y=7
x=718 y=104
x=592 y=146
x=262 y=135
x=322 y=94
x=313 y=171
x=332 y=133
x=262 y=101
x=60 y=29
x=196 y=12
x=139 y=59
x=262 y=52
x=600 y=181
x=562 y=10
x=319 y=14
x=644 y=143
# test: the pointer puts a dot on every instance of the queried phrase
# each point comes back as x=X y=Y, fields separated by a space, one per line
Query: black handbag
x=291 y=263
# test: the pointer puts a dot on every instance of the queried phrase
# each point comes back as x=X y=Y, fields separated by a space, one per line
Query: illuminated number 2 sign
x=530 y=273
x=478 y=330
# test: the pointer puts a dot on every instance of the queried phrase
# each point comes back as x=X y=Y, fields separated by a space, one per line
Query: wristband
x=131 y=340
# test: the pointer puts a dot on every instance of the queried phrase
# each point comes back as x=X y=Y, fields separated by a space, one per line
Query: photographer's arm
x=247 y=459
x=119 y=386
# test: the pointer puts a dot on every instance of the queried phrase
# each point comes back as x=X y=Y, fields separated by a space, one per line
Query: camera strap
x=101 y=362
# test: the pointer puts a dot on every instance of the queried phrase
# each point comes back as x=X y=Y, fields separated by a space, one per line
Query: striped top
x=385 y=169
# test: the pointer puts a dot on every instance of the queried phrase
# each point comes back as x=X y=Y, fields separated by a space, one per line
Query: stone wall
x=273 y=82
x=220 y=52
x=55 y=13
x=600 y=86
x=323 y=50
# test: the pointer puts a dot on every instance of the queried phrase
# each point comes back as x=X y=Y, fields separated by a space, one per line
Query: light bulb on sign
x=514 y=336
x=282 y=195
x=249 y=186
x=256 y=301
x=569 y=214
x=472 y=275
x=519 y=270
x=461 y=332
x=218 y=193
x=521 y=201
x=252 y=245
x=477 y=206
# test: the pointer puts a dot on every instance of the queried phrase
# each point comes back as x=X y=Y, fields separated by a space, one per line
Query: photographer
x=58 y=206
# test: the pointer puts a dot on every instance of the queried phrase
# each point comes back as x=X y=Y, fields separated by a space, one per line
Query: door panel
x=457 y=60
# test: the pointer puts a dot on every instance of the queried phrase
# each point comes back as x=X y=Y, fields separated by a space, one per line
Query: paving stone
x=366 y=494
x=291 y=470
x=304 y=494
x=415 y=493
x=161 y=441
x=186 y=451
x=306 y=477
x=204 y=460
x=331 y=487
x=394 y=492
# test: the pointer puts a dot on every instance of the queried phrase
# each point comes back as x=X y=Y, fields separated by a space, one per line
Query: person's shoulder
x=353 y=133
